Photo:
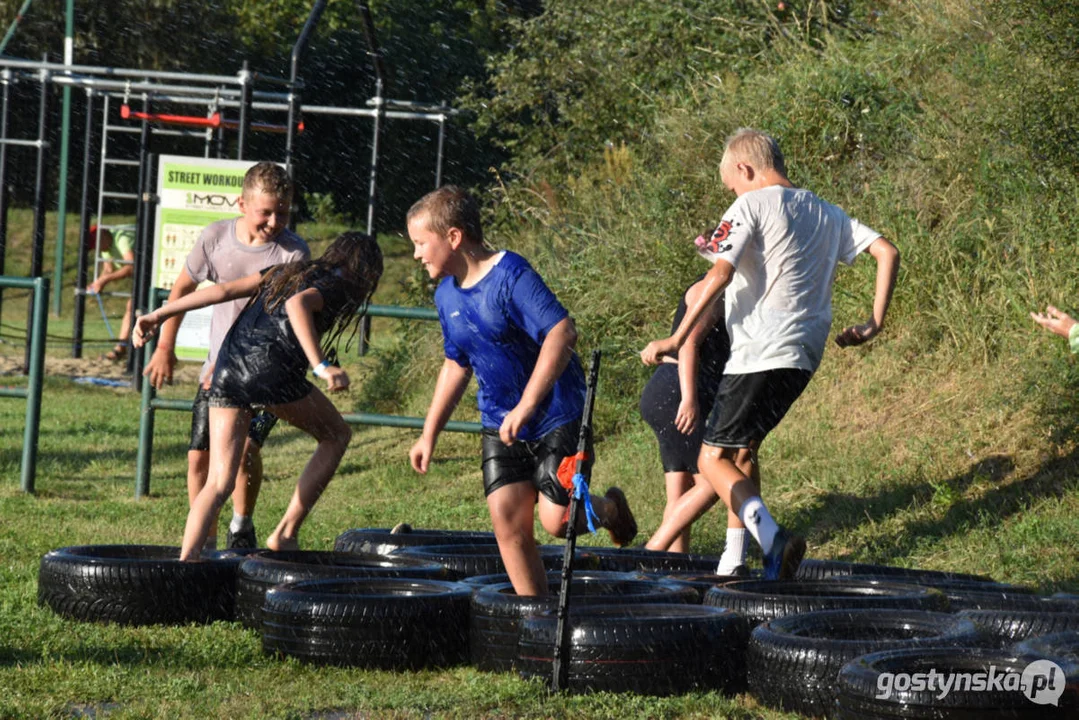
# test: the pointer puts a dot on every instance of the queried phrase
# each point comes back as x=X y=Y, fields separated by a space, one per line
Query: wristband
x=320 y=369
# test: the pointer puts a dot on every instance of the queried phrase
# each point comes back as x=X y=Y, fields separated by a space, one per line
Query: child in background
x=114 y=249
x=263 y=362
x=777 y=248
x=672 y=403
x=229 y=250
x=501 y=322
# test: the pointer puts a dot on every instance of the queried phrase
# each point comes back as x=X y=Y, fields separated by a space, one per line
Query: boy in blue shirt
x=501 y=322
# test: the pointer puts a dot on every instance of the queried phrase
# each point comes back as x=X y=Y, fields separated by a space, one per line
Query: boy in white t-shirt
x=775 y=254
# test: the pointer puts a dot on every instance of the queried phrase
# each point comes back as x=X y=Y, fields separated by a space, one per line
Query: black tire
x=1062 y=648
x=699 y=582
x=136 y=585
x=793 y=661
x=554 y=578
x=814 y=569
x=638 y=560
x=1003 y=628
x=648 y=649
x=258 y=574
x=860 y=682
x=380 y=541
x=761 y=600
x=967 y=594
x=468 y=560
x=384 y=623
x=496 y=612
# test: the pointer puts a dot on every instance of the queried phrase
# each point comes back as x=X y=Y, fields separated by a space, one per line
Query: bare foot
x=276 y=542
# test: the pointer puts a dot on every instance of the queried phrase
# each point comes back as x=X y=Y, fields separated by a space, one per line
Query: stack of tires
x=843 y=640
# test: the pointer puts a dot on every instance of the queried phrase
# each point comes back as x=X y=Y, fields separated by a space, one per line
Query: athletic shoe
x=785 y=557
x=401 y=528
x=242 y=539
x=739 y=571
x=624 y=527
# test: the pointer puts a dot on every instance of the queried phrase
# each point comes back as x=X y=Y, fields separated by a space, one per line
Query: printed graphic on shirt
x=715 y=244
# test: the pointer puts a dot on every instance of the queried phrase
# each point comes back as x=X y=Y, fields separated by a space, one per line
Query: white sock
x=240 y=523
x=755 y=516
x=734 y=552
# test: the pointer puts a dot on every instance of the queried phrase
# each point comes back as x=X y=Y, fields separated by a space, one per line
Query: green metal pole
x=14 y=24
x=146 y=416
x=65 y=142
x=38 y=331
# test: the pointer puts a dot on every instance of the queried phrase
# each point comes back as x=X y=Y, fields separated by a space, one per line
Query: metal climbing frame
x=37 y=331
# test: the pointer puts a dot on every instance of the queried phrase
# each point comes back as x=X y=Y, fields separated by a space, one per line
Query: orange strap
x=568 y=468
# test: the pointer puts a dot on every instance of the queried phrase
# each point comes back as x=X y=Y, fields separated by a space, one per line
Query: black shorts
x=261 y=424
x=532 y=461
x=748 y=406
x=659 y=406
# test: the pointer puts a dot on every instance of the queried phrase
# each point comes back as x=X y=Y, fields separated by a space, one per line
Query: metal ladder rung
x=123 y=129
x=122 y=196
x=125 y=163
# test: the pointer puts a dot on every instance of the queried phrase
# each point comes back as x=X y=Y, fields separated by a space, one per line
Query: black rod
x=84 y=230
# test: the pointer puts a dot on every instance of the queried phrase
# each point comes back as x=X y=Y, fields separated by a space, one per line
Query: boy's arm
x=554 y=356
x=887 y=256
x=243 y=287
x=452 y=381
x=162 y=363
x=301 y=309
x=712 y=285
x=119 y=274
x=689 y=361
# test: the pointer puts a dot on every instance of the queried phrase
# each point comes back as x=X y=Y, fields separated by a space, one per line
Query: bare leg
x=511 y=507
x=248 y=480
x=317 y=417
x=227 y=429
x=680 y=515
x=720 y=469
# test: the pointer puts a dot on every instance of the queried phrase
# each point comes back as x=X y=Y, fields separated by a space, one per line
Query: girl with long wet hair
x=297 y=314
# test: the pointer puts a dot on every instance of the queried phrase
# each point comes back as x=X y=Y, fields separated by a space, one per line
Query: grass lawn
x=948 y=468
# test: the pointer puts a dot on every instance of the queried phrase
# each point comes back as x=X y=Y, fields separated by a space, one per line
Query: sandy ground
x=91 y=366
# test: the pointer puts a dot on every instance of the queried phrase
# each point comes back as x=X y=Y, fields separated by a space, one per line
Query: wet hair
x=449 y=207
x=756 y=148
x=270 y=178
x=358 y=258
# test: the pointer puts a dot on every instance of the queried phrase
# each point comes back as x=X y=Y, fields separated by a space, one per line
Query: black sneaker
x=242 y=539
x=401 y=528
x=786 y=555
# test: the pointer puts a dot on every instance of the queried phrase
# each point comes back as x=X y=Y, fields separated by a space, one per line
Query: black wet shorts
x=261 y=424
x=532 y=461
x=659 y=406
x=747 y=407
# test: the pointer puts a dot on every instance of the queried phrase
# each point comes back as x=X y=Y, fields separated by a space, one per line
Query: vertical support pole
x=441 y=145
x=5 y=96
x=84 y=230
x=38 y=253
x=138 y=290
x=245 y=111
x=372 y=196
x=35 y=368
x=65 y=144
x=146 y=419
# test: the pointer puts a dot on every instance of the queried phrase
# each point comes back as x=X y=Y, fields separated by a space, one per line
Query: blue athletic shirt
x=496 y=327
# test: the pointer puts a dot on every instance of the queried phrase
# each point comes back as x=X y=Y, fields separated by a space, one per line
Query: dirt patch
x=92 y=367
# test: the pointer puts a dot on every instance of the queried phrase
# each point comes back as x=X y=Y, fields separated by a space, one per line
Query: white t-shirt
x=220 y=257
x=784 y=244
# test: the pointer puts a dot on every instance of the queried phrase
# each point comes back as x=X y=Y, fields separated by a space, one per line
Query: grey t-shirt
x=219 y=256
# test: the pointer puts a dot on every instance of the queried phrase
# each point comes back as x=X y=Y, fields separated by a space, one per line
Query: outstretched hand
x=145 y=326
x=655 y=351
x=858 y=334
x=1054 y=321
